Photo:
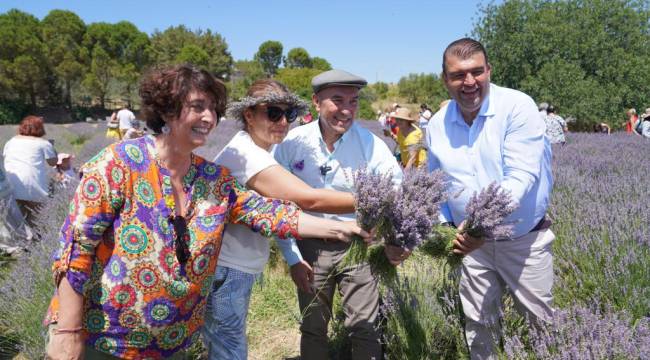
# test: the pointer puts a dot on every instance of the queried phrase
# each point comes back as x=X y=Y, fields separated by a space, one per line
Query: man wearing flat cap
x=326 y=154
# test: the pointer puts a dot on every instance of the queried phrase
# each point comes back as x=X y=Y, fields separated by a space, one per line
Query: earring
x=165 y=129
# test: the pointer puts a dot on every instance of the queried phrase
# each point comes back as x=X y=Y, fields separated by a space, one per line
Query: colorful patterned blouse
x=117 y=247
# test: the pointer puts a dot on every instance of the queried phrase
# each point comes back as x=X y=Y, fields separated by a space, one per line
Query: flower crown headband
x=235 y=110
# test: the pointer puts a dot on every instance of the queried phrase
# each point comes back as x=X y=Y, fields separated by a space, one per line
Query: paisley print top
x=117 y=247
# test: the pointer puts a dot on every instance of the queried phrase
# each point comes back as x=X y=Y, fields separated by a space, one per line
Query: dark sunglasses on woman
x=275 y=113
x=182 y=239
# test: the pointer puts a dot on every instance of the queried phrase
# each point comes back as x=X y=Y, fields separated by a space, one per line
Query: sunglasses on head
x=182 y=239
x=275 y=113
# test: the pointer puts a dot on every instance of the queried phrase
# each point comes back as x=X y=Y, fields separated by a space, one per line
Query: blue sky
x=381 y=40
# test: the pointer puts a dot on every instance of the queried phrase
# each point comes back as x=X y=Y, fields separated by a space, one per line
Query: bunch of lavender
x=374 y=193
x=410 y=217
x=486 y=212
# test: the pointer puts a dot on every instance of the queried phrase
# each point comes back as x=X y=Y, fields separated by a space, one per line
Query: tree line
x=587 y=57
x=61 y=61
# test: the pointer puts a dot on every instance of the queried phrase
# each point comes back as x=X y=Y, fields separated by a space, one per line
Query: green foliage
x=380 y=89
x=298 y=80
x=178 y=43
x=366 y=97
x=101 y=74
x=320 y=64
x=12 y=111
x=269 y=55
x=422 y=88
x=22 y=54
x=194 y=55
x=587 y=57
x=62 y=32
x=298 y=58
x=245 y=72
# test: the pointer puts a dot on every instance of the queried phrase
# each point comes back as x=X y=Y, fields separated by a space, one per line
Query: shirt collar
x=487 y=108
x=341 y=139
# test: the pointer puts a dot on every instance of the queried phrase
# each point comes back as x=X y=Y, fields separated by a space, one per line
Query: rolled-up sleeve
x=91 y=214
x=264 y=215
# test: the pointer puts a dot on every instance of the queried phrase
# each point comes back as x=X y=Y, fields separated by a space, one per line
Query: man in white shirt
x=488 y=134
x=326 y=154
x=125 y=117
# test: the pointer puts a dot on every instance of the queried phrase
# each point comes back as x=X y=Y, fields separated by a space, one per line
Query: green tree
x=298 y=80
x=422 y=88
x=320 y=64
x=22 y=55
x=102 y=73
x=380 y=88
x=598 y=46
x=126 y=51
x=245 y=72
x=167 y=46
x=62 y=33
x=269 y=55
x=298 y=58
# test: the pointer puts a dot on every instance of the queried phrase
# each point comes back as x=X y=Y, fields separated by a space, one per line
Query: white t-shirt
x=241 y=248
x=125 y=116
x=26 y=166
x=424 y=119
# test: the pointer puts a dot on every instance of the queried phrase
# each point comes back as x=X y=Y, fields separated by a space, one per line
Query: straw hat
x=404 y=114
x=63 y=156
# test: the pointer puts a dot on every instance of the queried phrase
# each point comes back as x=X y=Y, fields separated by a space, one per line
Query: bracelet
x=75 y=330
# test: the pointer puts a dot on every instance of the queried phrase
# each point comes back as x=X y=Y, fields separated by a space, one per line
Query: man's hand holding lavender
x=466 y=243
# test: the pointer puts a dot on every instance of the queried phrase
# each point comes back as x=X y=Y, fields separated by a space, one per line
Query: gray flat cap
x=336 y=78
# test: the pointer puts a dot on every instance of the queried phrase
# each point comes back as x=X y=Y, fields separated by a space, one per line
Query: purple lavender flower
x=415 y=209
x=373 y=196
x=585 y=333
x=487 y=211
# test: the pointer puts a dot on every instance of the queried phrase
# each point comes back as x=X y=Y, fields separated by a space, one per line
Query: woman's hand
x=349 y=229
x=66 y=346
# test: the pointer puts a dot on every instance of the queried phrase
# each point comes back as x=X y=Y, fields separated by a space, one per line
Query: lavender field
x=602 y=269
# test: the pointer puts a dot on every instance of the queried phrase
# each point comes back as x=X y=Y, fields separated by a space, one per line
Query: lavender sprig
x=487 y=211
x=373 y=195
x=486 y=214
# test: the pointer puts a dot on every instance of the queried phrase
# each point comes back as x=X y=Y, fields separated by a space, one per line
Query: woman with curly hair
x=139 y=248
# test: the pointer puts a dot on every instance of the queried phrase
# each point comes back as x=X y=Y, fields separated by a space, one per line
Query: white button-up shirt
x=305 y=154
x=505 y=143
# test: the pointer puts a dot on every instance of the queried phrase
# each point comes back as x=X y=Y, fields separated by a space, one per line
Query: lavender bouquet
x=486 y=214
x=410 y=217
x=373 y=196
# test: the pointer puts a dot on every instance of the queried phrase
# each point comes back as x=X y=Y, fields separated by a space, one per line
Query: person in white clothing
x=27 y=156
x=125 y=118
x=266 y=113
x=12 y=223
x=489 y=134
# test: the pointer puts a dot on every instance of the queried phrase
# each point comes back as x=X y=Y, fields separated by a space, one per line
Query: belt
x=543 y=224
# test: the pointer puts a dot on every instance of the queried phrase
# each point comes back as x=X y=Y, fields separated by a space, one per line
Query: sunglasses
x=275 y=114
x=182 y=239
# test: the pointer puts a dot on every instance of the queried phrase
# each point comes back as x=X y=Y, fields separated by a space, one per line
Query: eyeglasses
x=182 y=239
x=275 y=113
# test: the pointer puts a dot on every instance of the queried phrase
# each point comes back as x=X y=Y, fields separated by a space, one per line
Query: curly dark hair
x=163 y=91
x=31 y=125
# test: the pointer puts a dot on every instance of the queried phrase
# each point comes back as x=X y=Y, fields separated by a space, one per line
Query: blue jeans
x=224 y=332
